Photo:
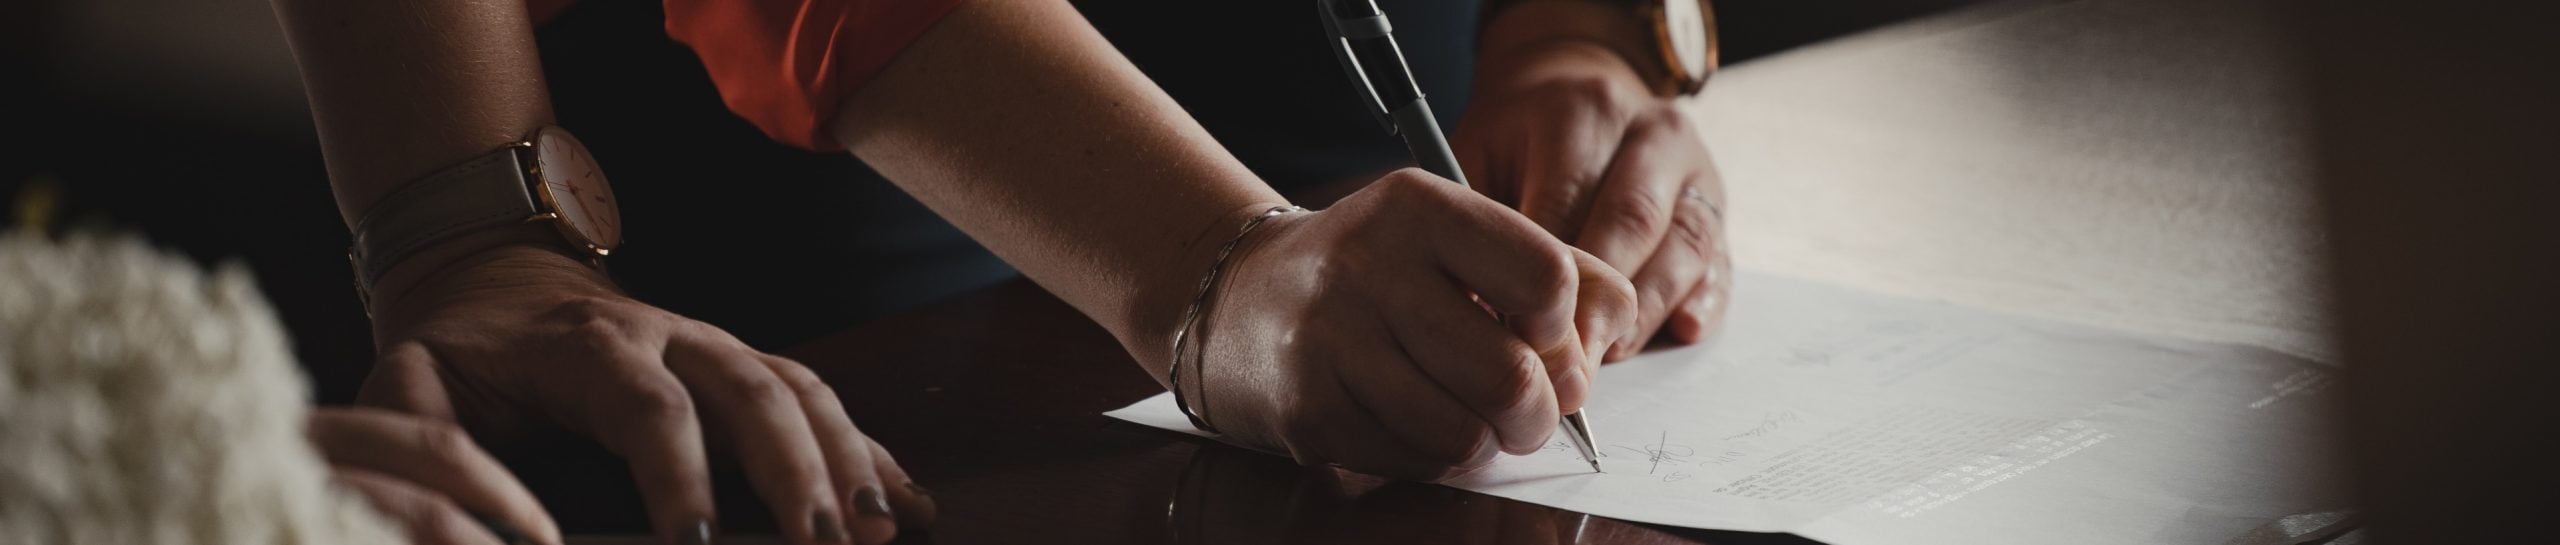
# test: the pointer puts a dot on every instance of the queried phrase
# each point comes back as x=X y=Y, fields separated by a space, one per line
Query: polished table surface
x=994 y=401
x=2134 y=164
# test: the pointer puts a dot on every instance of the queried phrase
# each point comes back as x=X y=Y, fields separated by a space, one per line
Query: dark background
x=185 y=121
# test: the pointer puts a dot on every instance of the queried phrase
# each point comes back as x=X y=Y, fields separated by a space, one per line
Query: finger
x=429 y=519
x=405 y=379
x=1704 y=314
x=1490 y=170
x=864 y=475
x=1605 y=313
x=640 y=411
x=434 y=455
x=911 y=501
x=1516 y=267
x=1327 y=424
x=1632 y=209
x=1674 y=272
x=1469 y=358
x=1564 y=160
x=772 y=435
x=1391 y=382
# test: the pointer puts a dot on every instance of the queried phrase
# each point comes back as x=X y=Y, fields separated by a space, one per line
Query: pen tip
x=1595 y=467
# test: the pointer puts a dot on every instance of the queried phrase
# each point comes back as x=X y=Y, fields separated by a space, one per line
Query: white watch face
x=576 y=190
x=1689 y=32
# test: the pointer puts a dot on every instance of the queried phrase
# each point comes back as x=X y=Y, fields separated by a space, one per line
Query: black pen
x=1366 y=45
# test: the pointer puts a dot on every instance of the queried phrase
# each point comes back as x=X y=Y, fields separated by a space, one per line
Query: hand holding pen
x=1350 y=335
x=1365 y=43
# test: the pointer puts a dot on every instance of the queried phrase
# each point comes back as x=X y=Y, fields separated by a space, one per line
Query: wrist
x=1517 y=36
x=1168 y=297
x=410 y=282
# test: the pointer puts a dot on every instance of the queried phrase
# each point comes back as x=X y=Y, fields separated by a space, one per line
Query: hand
x=1569 y=134
x=428 y=477
x=1355 y=335
x=520 y=337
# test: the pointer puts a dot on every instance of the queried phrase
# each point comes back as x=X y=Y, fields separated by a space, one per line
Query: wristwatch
x=1682 y=33
x=1685 y=33
x=545 y=178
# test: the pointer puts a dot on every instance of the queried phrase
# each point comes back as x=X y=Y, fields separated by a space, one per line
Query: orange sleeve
x=785 y=64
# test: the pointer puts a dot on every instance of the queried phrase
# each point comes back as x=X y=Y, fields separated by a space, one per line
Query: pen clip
x=1366 y=27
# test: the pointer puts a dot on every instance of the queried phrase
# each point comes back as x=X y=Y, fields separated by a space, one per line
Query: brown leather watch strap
x=486 y=191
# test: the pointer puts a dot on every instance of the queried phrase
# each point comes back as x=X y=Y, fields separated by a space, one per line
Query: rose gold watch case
x=573 y=190
x=1685 y=30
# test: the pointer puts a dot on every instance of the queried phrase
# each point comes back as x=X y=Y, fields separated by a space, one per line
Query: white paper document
x=1855 y=418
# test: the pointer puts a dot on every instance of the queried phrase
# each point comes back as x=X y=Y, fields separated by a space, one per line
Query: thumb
x=1604 y=309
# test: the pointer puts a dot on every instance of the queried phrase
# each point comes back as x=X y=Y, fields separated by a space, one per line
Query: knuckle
x=759 y=391
x=1672 y=121
x=658 y=400
x=1619 y=294
x=1409 y=178
x=1654 y=299
x=808 y=386
x=597 y=322
x=1559 y=195
x=1406 y=186
x=1552 y=268
x=1639 y=212
x=1691 y=228
x=445 y=442
x=1342 y=263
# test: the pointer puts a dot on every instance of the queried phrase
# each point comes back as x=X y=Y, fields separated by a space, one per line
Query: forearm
x=1016 y=121
x=400 y=89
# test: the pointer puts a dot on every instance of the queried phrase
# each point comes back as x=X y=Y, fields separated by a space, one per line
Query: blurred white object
x=147 y=402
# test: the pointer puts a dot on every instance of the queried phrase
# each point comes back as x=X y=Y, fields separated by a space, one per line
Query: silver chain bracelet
x=1191 y=317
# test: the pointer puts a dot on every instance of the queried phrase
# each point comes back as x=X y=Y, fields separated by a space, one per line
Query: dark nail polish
x=870 y=501
x=918 y=489
x=505 y=533
x=698 y=534
x=823 y=525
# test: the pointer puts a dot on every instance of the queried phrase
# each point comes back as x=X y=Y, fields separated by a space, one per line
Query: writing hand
x=1569 y=134
x=1355 y=335
x=520 y=338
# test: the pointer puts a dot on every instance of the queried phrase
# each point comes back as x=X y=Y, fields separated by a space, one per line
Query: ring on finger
x=1691 y=192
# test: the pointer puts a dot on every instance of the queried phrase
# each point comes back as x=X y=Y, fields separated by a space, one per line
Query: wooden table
x=995 y=400
x=2134 y=164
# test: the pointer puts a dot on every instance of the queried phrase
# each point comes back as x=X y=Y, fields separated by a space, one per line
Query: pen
x=1366 y=45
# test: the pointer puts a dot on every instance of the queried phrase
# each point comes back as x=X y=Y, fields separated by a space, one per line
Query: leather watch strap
x=486 y=191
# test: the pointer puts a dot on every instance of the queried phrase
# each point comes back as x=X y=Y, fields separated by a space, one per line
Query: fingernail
x=870 y=501
x=824 y=524
x=699 y=533
x=505 y=533
x=918 y=489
